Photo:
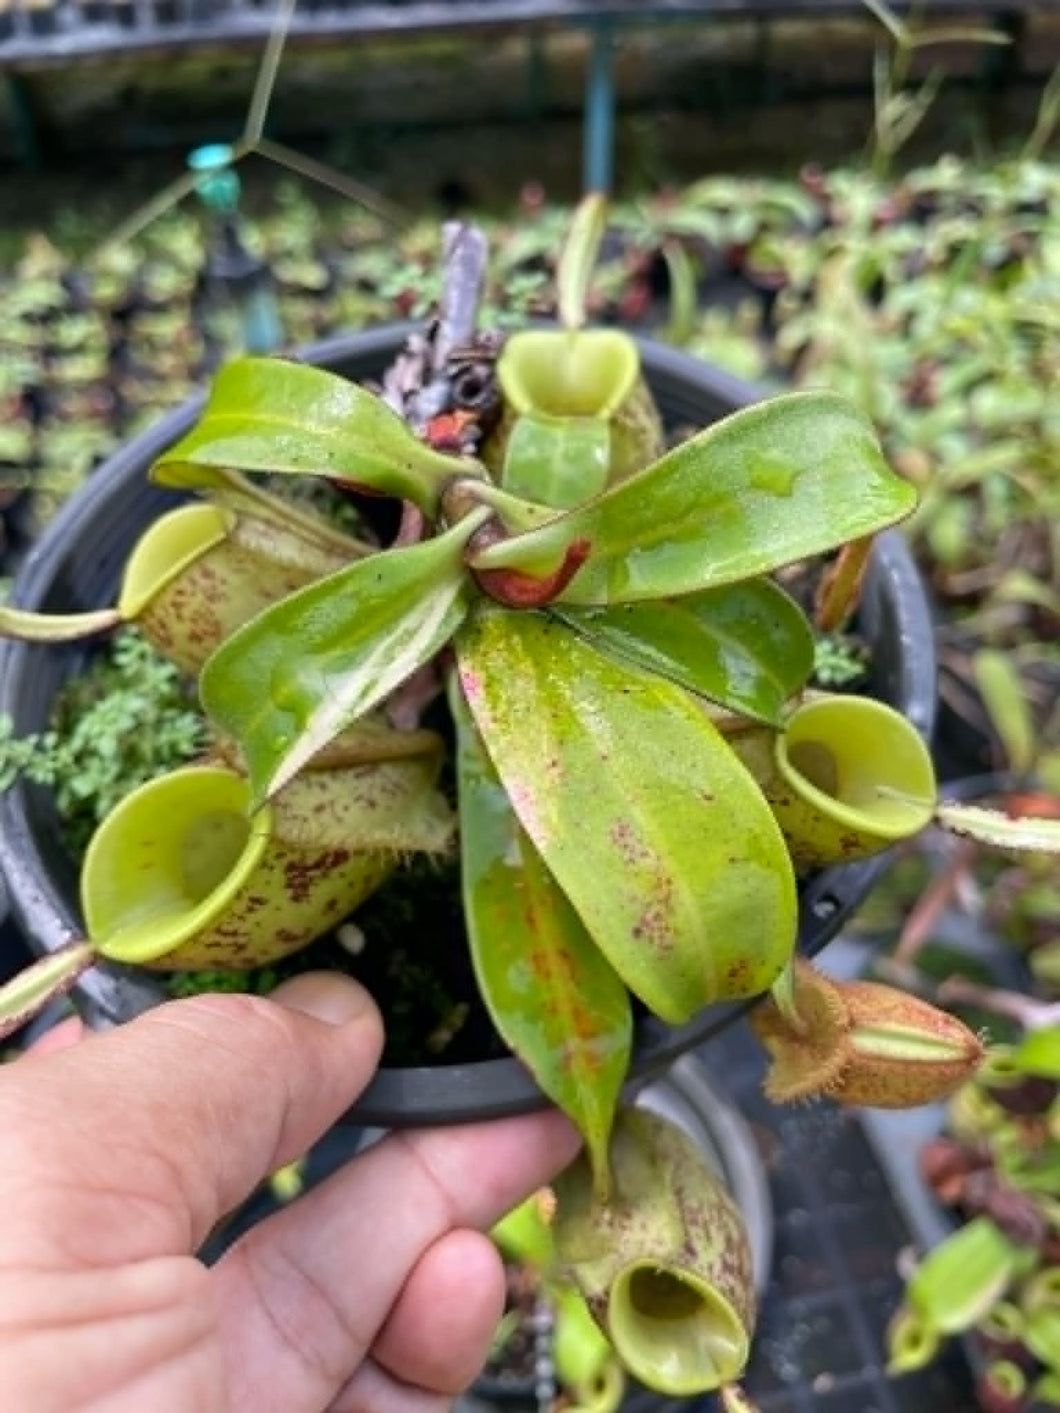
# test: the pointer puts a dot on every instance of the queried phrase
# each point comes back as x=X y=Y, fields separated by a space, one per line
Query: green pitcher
x=846 y=777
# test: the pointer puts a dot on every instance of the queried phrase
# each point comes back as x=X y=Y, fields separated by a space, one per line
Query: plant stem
x=265 y=81
x=324 y=175
x=840 y=588
x=932 y=903
x=26 y=994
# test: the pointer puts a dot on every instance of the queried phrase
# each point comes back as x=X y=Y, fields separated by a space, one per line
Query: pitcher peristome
x=182 y=874
x=664 y=1265
x=846 y=777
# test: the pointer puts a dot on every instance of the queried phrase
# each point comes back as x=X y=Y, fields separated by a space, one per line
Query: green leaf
x=1002 y=692
x=1007 y=705
x=773 y=483
x=1036 y=1172
x=292 y=679
x=1039 y=1053
x=1018 y=586
x=1041 y=1334
x=1027 y=833
x=651 y=826
x=266 y=414
x=747 y=646
x=957 y=34
x=890 y=21
x=253 y=503
x=684 y=293
x=556 y=1002
x=29 y=627
x=1044 y=960
x=44 y=981
x=524 y=1235
x=958 y=1282
x=557 y=461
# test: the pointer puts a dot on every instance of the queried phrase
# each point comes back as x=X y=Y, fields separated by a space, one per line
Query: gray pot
x=77 y=565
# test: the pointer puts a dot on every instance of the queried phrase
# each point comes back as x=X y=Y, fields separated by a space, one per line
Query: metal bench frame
x=46 y=35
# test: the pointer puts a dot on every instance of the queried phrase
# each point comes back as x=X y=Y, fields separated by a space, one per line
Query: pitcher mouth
x=575 y=373
x=888 y=790
x=165 y=550
x=168 y=860
x=674 y=1332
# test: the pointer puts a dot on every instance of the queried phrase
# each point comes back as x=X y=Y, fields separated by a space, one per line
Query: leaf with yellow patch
x=646 y=819
x=552 y=995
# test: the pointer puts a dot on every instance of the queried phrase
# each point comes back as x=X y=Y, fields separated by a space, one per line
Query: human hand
x=374 y=1293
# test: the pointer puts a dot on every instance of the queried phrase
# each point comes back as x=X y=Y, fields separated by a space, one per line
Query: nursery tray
x=839 y=1231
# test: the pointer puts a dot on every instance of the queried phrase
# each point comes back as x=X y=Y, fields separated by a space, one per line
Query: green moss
x=129 y=717
x=839 y=661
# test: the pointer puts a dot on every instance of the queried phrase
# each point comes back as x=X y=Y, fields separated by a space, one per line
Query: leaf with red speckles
x=555 y=1000
x=653 y=829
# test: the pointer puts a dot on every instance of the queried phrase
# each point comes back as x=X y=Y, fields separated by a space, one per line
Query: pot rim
x=896 y=606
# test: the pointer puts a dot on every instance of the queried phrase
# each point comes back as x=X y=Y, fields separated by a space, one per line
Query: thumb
x=169 y=1122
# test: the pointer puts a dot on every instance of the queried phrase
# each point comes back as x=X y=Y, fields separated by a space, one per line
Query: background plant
x=996 y=1277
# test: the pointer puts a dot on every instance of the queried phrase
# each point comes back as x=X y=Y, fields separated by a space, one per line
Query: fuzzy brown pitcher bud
x=860 y=1042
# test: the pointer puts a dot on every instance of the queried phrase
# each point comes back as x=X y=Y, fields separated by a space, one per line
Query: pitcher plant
x=640 y=772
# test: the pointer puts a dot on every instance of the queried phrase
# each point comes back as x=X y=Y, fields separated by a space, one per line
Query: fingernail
x=325 y=996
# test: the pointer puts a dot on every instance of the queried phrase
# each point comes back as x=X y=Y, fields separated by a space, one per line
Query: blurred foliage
x=996 y=1278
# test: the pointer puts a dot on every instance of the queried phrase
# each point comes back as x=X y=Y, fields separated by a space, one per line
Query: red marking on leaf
x=1036 y=804
x=515 y=589
x=631 y=848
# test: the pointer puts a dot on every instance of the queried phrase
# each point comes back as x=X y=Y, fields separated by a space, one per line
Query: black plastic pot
x=77 y=564
x=14 y=956
x=13 y=952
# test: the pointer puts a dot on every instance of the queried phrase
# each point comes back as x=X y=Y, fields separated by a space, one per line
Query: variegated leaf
x=298 y=674
x=553 y=997
x=651 y=826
